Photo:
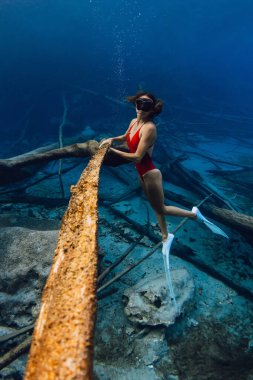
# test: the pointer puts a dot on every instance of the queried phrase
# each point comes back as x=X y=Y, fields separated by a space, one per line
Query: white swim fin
x=166 y=261
x=200 y=218
x=167 y=244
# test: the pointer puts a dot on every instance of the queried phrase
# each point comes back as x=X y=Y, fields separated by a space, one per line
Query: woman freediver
x=140 y=137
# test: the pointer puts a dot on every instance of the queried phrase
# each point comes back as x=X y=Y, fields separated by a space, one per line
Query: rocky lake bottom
x=139 y=333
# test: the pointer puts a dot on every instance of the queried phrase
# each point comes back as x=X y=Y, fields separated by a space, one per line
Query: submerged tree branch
x=64 y=116
x=15 y=352
x=16 y=169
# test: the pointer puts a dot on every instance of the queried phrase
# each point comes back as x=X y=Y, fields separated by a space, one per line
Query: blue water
x=193 y=54
x=197 y=56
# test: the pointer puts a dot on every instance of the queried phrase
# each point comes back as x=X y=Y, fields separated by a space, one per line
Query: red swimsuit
x=146 y=163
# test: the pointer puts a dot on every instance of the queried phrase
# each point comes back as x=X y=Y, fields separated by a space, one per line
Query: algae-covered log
x=62 y=343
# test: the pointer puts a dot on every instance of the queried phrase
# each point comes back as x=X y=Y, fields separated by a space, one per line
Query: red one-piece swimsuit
x=146 y=163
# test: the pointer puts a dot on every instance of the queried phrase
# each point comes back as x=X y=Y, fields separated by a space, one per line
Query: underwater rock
x=151 y=347
x=148 y=302
x=26 y=258
x=103 y=371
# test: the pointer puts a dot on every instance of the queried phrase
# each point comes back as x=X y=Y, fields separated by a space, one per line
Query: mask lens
x=144 y=104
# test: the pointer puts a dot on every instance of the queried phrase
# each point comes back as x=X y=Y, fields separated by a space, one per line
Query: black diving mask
x=143 y=104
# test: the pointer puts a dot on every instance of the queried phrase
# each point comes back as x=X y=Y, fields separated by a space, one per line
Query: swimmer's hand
x=106 y=141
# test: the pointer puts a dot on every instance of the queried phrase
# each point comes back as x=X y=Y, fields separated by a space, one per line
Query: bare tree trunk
x=62 y=344
x=23 y=166
x=18 y=168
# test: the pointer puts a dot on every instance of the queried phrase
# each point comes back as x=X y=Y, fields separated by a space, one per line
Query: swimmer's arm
x=147 y=138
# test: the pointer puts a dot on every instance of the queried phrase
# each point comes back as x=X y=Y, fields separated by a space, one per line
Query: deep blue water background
x=196 y=55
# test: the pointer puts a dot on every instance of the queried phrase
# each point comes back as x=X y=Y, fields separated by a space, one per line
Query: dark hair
x=158 y=103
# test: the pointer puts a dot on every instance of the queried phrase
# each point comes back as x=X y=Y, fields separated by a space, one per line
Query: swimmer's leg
x=152 y=186
x=159 y=216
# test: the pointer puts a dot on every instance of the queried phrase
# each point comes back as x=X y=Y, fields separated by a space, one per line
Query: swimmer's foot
x=167 y=244
x=200 y=218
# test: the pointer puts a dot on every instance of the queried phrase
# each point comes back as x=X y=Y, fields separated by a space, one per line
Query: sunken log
x=62 y=343
x=238 y=221
x=20 y=167
x=23 y=166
